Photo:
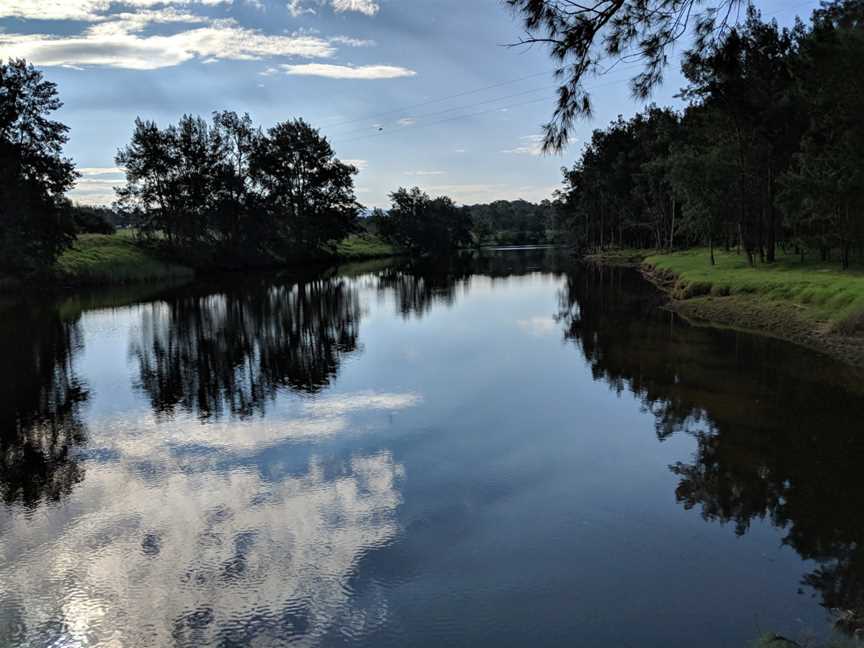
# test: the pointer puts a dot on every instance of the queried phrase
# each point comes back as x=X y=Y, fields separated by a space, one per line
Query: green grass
x=363 y=246
x=114 y=259
x=619 y=256
x=773 y=641
x=821 y=291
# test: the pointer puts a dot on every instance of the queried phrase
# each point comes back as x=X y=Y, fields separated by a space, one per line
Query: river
x=507 y=450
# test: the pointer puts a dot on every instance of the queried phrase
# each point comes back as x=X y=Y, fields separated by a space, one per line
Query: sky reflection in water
x=503 y=451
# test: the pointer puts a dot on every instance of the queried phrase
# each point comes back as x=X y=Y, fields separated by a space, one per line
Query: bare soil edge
x=754 y=314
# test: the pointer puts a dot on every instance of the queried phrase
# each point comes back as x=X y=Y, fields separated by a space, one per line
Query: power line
x=785 y=10
x=474 y=114
x=438 y=100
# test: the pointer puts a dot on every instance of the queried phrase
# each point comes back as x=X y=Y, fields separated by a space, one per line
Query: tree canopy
x=35 y=221
x=235 y=191
x=424 y=225
x=767 y=153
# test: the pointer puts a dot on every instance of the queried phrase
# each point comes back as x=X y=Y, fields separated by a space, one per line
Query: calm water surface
x=510 y=451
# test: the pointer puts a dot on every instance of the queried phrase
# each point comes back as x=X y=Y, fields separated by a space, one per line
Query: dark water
x=507 y=452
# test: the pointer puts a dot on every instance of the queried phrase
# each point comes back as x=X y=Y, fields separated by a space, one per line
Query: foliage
x=35 y=224
x=768 y=154
x=423 y=225
x=237 y=192
x=513 y=222
x=583 y=36
x=93 y=220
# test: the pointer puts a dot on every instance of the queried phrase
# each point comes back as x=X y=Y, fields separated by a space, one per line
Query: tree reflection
x=419 y=285
x=40 y=402
x=778 y=433
x=208 y=353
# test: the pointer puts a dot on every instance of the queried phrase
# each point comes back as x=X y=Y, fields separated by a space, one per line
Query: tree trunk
x=711 y=249
x=771 y=242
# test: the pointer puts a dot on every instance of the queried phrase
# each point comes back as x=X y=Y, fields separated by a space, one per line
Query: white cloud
x=366 y=72
x=425 y=173
x=368 y=7
x=98 y=171
x=537 y=326
x=533 y=145
x=459 y=150
x=117 y=45
x=296 y=8
x=360 y=164
x=117 y=39
x=300 y=7
x=88 y=10
x=407 y=121
x=343 y=404
x=296 y=543
x=353 y=42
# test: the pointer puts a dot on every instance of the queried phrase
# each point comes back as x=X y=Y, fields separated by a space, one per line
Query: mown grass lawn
x=822 y=290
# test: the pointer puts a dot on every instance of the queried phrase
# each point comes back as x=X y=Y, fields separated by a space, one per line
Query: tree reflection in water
x=40 y=403
x=208 y=353
x=778 y=433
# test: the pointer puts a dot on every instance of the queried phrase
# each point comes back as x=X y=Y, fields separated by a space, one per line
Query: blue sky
x=459 y=112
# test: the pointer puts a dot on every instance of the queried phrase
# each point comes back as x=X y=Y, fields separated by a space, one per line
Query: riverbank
x=119 y=259
x=812 y=304
x=111 y=259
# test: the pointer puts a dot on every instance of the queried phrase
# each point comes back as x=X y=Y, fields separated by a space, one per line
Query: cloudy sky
x=458 y=111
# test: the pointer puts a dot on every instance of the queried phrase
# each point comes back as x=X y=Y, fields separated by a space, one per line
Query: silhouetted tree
x=35 y=221
x=424 y=225
x=235 y=193
x=307 y=192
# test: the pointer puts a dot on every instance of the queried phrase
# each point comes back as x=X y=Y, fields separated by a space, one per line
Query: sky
x=412 y=92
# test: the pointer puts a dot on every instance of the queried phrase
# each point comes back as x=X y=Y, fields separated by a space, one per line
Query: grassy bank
x=114 y=259
x=811 y=303
x=618 y=257
x=775 y=641
x=820 y=292
x=358 y=247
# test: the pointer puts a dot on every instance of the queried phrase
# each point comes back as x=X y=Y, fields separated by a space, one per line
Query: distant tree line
x=514 y=222
x=769 y=152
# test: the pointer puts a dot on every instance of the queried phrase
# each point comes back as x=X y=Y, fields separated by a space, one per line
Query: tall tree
x=823 y=191
x=748 y=79
x=307 y=191
x=36 y=224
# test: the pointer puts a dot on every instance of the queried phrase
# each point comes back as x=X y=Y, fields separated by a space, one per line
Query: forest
x=768 y=153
